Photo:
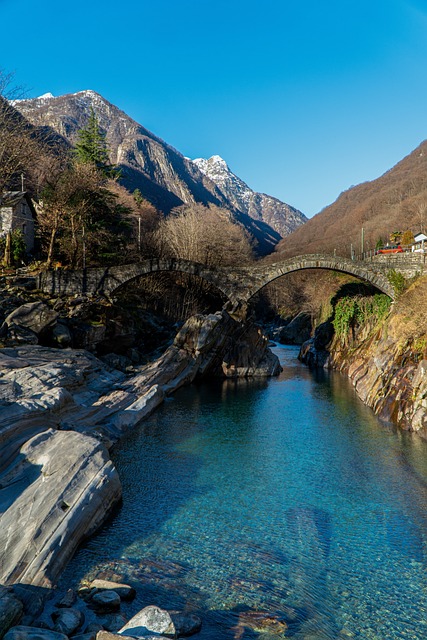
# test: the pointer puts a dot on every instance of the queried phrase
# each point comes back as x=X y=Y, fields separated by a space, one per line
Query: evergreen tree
x=91 y=146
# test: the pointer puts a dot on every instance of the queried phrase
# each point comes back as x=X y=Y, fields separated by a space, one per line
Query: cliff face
x=387 y=363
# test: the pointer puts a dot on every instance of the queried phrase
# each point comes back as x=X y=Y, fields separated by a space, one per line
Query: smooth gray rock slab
x=150 y=620
x=106 y=601
x=125 y=591
x=11 y=610
x=59 y=490
x=33 y=633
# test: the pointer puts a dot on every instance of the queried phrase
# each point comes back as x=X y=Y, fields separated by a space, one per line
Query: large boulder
x=106 y=601
x=314 y=352
x=61 y=335
x=36 y=316
x=107 y=635
x=297 y=331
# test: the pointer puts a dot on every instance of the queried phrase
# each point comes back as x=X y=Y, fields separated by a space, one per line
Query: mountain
x=163 y=175
x=396 y=201
x=279 y=215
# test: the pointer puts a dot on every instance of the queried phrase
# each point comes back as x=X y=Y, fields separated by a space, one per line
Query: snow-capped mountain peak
x=279 y=215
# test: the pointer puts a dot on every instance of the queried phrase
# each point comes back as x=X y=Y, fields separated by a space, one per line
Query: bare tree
x=421 y=210
x=206 y=235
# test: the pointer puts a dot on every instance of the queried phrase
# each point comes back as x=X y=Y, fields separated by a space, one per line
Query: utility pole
x=22 y=182
x=363 y=241
x=139 y=234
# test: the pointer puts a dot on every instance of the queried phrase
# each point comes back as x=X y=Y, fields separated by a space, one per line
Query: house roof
x=13 y=198
x=419 y=237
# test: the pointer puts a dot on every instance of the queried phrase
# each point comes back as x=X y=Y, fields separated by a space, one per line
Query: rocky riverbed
x=61 y=409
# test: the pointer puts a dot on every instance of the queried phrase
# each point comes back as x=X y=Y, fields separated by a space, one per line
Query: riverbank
x=386 y=361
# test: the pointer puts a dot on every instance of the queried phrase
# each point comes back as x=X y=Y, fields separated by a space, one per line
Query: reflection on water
x=274 y=509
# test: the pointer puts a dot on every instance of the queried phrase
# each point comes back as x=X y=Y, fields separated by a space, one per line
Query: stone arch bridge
x=237 y=284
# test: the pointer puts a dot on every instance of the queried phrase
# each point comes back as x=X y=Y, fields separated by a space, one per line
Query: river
x=285 y=497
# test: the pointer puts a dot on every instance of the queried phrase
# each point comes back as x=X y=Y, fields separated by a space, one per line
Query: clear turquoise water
x=285 y=497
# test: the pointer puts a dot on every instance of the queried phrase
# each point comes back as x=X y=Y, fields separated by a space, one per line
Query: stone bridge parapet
x=238 y=284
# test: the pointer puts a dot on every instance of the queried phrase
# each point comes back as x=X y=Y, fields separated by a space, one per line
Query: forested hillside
x=396 y=201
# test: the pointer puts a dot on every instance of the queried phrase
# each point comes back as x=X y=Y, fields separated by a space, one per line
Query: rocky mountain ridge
x=279 y=215
x=163 y=175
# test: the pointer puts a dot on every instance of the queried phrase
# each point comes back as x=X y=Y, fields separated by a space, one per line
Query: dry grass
x=409 y=319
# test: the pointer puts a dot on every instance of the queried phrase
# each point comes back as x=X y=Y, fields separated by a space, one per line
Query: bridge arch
x=237 y=284
x=109 y=280
x=259 y=277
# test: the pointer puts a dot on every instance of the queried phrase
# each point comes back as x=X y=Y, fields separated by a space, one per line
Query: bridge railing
x=396 y=259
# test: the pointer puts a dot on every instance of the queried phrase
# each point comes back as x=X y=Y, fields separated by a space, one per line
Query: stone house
x=17 y=212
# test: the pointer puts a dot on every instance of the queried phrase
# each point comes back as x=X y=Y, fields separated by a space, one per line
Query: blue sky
x=301 y=98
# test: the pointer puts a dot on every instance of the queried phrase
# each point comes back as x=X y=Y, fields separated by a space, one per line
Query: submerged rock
x=125 y=591
x=106 y=601
x=33 y=633
x=186 y=624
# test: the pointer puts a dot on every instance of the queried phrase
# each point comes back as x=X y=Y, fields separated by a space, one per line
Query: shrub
x=351 y=311
x=397 y=281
